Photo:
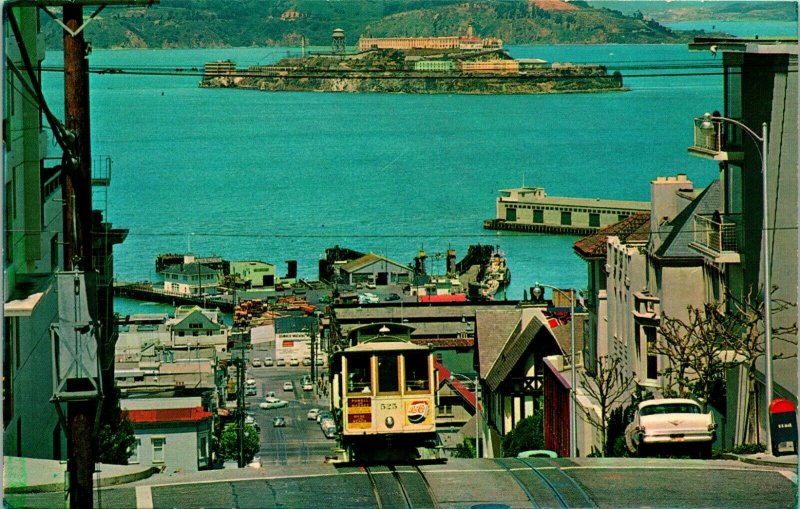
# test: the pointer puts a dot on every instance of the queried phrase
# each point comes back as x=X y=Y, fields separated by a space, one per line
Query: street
x=301 y=440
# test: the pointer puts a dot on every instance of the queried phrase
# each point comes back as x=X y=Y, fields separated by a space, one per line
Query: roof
x=286 y=324
x=189 y=269
x=458 y=297
x=414 y=311
x=455 y=383
x=168 y=415
x=680 y=231
x=369 y=259
x=493 y=328
x=514 y=349
x=634 y=228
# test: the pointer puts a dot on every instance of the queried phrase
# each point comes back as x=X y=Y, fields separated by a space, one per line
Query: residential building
x=33 y=225
x=760 y=86
x=194 y=327
x=173 y=434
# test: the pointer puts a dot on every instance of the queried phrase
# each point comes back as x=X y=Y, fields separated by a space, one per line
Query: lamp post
x=708 y=124
x=573 y=422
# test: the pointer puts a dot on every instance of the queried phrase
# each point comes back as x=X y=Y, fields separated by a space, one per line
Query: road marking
x=144 y=497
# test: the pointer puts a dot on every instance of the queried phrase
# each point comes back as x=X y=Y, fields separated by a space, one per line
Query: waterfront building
x=489 y=66
x=434 y=65
x=193 y=279
x=173 y=434
x=373 y=268
x=530 y=209
x=219 y=67
x=293 y=337
x=33 y=229
x=253 y=274
x=760 y=77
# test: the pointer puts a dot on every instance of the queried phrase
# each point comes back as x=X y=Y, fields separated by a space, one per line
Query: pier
x=146 y=292
x=529 y=209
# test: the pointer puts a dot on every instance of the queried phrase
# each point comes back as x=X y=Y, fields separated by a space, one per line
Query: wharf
x=529 y=209
x=147 y=292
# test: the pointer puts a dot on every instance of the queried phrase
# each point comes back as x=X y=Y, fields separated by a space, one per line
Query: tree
x=229 y=442
x=527 y=435
x=115 y=439
x=610 y=386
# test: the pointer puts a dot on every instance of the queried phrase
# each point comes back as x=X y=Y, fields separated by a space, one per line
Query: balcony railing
x=717 y=236
x=712 y=143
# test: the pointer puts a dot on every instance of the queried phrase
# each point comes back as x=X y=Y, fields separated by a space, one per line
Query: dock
x=147 y=292
x=529 y=209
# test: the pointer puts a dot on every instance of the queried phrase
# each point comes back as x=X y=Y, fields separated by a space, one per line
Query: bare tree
x=747 y=326
x=697 y=349
x=610 y=387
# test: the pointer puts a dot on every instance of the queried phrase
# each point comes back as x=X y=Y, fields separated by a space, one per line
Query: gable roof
x=680 y=231
x=369 y=259
x=189 y=269
x=195 y=316
x=493 y=328
x=634 y=228
x=514 y=349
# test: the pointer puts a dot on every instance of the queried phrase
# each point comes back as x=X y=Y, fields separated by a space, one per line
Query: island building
x=470 y=42
x=529 y=209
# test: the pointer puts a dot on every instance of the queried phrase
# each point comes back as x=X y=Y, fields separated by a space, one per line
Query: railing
x=716 y=233
x=709 y=139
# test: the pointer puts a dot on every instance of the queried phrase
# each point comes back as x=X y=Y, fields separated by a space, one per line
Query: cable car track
x=400 y=494
x=546 y=484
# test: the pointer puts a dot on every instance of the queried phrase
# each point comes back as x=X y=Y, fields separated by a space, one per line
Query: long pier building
x=529 y=209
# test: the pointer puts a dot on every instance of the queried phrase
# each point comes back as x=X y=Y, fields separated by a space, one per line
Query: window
x=594 y=219
x=133 y=451
x=416 y=368
x=158 y=449
x=195 y=325
x=652 y=357
x=566 y=218
x=358 y=374
x=538 y=216
x=202 y=451
x=387 y=373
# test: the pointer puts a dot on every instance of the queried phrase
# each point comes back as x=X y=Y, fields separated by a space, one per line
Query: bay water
x=279 y=176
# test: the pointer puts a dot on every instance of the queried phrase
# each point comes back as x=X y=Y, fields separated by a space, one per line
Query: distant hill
x=221 y=23
x=665 y=12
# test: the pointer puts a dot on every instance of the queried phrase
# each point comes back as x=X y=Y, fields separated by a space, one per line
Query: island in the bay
x=421 y=65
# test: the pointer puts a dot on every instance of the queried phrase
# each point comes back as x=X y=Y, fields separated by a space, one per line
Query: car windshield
x=670 y=408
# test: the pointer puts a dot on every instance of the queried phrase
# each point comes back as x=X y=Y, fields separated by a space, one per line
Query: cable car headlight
x=390 y=422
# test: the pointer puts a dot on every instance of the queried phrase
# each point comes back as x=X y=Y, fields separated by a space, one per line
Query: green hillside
x=218 y=23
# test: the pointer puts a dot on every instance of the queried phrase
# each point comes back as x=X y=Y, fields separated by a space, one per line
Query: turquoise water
x=279 y=176
x=763 y=29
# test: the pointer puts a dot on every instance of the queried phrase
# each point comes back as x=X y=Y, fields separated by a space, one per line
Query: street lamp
x=708 y=124
x=573 y=422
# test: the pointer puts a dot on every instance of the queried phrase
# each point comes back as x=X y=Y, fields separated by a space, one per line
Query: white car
x=288 y=386
x=294 y=361
x=312 y=414
x=272 y=403
x=256 y=362
x=671 y=422
x=268 y=361
x=326 y=423
x=308 y=386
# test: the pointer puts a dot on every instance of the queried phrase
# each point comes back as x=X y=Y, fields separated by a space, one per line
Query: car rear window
x=671 y=408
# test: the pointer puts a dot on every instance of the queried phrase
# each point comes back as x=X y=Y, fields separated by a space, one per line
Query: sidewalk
x=30 y=475
x=762 y=458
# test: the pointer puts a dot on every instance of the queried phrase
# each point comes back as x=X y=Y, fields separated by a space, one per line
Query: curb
x=759 y=461
x=101 y=482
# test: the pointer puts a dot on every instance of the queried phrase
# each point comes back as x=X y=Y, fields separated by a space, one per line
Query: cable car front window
x=388 y=375
x=358 y=374
x=417 y=378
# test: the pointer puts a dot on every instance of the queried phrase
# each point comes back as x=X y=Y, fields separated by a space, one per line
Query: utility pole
x=240 y=402
x=78 y=242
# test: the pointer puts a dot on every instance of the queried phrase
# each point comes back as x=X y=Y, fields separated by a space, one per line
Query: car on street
x=268 y=361
x=312 y=414
x=676 y=423
x=308 y=386
x=280 y=362
x=249 y=419
x=371 y=286
x=324 y=414
x=270 y=402
x=391 y=297
x=294 y=361
x=271 y=394
x=327 y=423
x=278 y=422
x=306 y=361
x=288 y=386
x=330 y=432
x=256 y=362
x=368 y=298
x=320 y=360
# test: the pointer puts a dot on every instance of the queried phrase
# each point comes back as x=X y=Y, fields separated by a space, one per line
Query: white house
x=190 y=279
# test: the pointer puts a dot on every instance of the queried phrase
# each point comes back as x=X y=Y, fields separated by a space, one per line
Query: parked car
x=368 y=298
x=294 y=361
x=324 y=414
x=278 y=422
x=306 y=361
x=330 y=432
x=280 y=362
x=256 y=362
x=391 y=297
x=327 y=423
x=371 y=286
x=312 y=414
x=671 y=422
x=268 y=361
x=271 y=394
x=320 y=360
x=308 y=386
x=288 y=386
x=270 y=402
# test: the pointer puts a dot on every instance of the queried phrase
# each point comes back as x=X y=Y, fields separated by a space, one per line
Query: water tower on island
x=337 y=41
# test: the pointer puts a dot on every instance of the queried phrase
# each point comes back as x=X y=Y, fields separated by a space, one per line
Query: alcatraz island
x=421 y=65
